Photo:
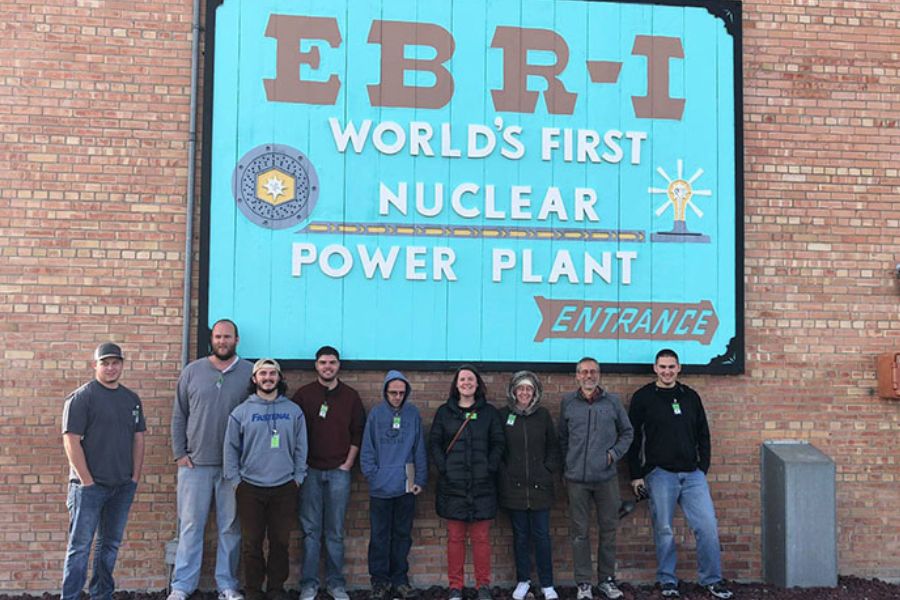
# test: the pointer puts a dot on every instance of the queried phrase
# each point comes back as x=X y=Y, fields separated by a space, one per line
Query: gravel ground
x=848 y=588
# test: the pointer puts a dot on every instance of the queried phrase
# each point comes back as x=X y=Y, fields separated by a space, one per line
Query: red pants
x=456 y=552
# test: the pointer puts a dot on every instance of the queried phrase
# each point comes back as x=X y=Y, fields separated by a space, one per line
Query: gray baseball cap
x=107 y=350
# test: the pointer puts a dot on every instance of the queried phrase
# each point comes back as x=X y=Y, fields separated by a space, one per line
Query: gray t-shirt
x=106 y=420
x=205 y=398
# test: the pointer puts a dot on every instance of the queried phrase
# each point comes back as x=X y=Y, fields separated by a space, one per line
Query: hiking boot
x=521 y=590
x=585 y=592
x=669 y=590
x=609 y=588
x=718 y=590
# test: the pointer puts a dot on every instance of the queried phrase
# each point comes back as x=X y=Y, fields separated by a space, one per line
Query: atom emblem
x=275 y=186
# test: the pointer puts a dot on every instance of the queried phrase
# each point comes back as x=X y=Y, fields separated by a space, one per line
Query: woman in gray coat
x=531 y=460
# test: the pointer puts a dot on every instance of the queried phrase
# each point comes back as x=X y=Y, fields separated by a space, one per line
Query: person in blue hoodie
x=393 y=458
x=264 y=458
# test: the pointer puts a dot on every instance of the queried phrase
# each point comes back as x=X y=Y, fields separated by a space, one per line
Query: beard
x=224 y=353
x=267 y=387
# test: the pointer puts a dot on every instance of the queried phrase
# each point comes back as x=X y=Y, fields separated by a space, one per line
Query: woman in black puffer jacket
x=466 y=445
x=531 y=460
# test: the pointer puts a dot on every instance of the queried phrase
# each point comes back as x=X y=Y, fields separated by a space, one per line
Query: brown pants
x=266 y=512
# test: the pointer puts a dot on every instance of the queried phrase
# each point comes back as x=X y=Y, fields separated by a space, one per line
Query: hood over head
x=394 y=375
x=526 y=378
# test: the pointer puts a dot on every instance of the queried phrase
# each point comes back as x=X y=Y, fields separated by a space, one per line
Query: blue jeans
x=94 y=509
x=323 y=503
x=196 y=488
x=691 y=491
x=532 y=528
x=390 y=539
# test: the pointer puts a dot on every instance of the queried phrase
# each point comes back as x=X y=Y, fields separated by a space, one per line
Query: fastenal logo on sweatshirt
x=270 y=417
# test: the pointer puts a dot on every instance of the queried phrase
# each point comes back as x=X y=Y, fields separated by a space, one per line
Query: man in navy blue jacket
x=393 y=459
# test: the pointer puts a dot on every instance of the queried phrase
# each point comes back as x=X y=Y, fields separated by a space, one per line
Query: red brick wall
x=94 y=130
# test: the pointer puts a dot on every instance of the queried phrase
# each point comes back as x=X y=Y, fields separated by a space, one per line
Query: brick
x=94 y=116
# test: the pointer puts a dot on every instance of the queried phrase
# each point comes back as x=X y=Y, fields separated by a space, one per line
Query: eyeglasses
x=393 y=393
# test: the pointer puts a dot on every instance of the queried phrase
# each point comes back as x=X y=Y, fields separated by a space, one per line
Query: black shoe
x=381 y=591
x=484 y=593
x=404 y=591
x=278 y=594
x=455 y=594
x=669 y=590
x=718 y=590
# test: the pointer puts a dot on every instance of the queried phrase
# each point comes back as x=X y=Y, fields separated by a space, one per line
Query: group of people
x=264 y=461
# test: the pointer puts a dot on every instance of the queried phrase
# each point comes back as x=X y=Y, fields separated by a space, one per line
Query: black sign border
x=730 y=362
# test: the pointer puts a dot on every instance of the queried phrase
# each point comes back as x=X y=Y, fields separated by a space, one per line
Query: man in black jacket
x=668 y=459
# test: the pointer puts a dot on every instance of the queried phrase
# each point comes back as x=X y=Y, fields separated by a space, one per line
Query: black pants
x=266 y=512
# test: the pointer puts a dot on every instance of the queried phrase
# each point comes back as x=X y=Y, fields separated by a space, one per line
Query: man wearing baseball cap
x=265 y=460
x=103 y=436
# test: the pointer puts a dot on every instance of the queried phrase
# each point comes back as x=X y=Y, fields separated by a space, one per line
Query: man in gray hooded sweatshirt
x=265 y=460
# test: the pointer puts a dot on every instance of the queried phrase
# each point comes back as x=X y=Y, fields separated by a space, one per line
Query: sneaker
x=609 y=588
x=338 y=593
x=177 y=595
x=718 y=590
x=308 y=593
x=455 y=594
x=230 y=595
x=484 y=593
x=404 y=591
x=380 y=592
x=522 y=589
x=549 y=593
x=585 y=592
x=669 y=590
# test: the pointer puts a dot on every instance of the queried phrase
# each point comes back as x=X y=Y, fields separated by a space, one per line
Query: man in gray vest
x=208 y=390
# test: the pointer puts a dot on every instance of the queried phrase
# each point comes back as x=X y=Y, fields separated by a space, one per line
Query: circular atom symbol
x=275 y=186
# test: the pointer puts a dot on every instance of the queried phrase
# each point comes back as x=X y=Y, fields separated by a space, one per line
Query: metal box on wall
x=799 y=519
x=888 y=373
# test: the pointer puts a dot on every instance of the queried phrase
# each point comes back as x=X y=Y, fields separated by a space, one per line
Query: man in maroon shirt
x=335 y=420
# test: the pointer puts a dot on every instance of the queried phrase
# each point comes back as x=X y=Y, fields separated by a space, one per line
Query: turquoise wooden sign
x=422 y=183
